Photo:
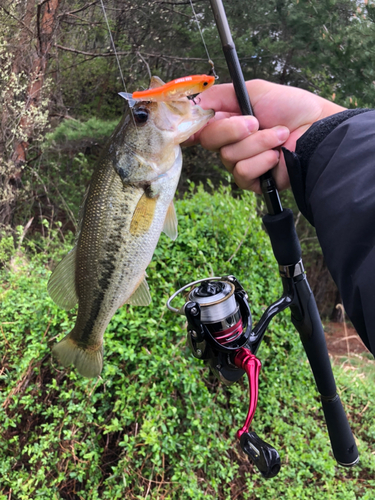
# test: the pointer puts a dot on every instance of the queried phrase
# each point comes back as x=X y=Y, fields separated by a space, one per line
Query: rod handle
x=305 y=318
x=342 y=440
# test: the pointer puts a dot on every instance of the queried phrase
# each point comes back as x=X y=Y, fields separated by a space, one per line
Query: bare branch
x=112 y=54
x=86 y=6
x=91 y=54
x=16 y=18
x=179 y=3
x=162 y=56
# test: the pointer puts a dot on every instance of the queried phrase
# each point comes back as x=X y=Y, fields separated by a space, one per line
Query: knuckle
x=226 y=153
x=243 y=170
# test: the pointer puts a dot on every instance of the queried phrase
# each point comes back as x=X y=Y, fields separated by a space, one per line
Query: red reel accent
x=248 y=362
x=230 y=334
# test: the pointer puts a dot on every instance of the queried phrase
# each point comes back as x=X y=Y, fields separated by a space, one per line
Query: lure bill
x=128 y=204
x=174 y=90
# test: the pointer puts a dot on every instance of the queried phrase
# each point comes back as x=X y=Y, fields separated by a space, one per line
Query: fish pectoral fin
x=61 y=285
x=143 y=215
x=141 y=296
x=170 y=223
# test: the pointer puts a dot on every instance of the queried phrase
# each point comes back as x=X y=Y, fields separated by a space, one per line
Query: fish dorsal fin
x=170 y=223
x=156 y=82
x=141 y=296
x=61 y=285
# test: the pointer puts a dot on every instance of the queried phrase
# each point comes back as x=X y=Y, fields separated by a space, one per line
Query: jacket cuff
x=298 y=162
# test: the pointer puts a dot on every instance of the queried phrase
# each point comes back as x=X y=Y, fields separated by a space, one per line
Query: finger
x=220 y=98
x=280 y=174
x=246 y=172
x=223 y=97
x=226 y=131
x=195 y=138
x=253 y=145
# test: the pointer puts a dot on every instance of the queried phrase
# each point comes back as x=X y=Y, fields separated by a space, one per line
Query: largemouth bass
x=128 y=203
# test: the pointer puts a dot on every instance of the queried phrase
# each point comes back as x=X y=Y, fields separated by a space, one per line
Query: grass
x=156 y=424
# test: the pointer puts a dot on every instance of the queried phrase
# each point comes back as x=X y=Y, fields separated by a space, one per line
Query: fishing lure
x=175 y=90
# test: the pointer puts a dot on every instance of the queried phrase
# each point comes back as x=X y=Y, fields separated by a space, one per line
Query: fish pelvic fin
x=61 y=285
x=87 y=360
x=170 y=223
x=141 y=296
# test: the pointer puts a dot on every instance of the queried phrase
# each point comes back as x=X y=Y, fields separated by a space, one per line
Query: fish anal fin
x=61 y=285
x=143 y=215
x=141 y=295
x=87 y=360
x=170 y=223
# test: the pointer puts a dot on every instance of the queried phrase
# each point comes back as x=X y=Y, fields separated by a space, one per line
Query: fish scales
x=128 y=203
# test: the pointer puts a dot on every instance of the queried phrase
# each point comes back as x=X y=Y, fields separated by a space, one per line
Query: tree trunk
x=37 y=30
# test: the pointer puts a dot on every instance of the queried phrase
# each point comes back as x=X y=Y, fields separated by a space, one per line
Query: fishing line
x=117 y=58
x=210 y=61
x=113 y=44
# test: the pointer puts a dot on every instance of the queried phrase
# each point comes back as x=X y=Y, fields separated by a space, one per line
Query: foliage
x=74 y=130
x=157 y=425
x=325 y=47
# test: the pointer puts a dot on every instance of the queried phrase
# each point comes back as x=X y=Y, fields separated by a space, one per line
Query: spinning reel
x=219 y=331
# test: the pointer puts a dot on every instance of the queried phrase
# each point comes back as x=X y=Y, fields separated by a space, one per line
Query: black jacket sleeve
x=332 y=174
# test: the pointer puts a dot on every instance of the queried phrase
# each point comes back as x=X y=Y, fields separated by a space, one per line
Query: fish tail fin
x=87 y=360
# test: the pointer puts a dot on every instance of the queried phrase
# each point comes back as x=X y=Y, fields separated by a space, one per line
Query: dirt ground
x=343 y=340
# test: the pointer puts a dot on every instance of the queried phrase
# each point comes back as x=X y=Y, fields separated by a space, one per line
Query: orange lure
x=176 y=89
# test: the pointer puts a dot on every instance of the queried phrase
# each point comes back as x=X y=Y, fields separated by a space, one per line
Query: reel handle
x=247 y=361
x=264 y=456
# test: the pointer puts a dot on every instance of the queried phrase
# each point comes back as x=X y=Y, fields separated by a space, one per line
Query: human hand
x=250 y=146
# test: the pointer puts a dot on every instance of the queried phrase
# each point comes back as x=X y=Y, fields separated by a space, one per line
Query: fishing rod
x=220 y=327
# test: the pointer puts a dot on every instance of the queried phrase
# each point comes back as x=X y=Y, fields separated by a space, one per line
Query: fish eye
x=205 y=84
x=141 y=115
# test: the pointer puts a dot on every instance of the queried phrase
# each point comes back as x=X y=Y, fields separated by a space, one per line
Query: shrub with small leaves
x=156 y=424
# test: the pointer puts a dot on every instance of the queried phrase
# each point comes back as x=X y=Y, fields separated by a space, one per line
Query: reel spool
x=220 y=312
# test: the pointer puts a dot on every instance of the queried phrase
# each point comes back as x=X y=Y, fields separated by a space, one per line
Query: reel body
x=219 y=324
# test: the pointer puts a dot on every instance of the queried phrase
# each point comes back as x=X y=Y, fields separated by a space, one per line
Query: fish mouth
x=194 y=121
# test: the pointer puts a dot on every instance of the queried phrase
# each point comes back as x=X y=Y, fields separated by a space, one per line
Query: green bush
x=156 y=424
